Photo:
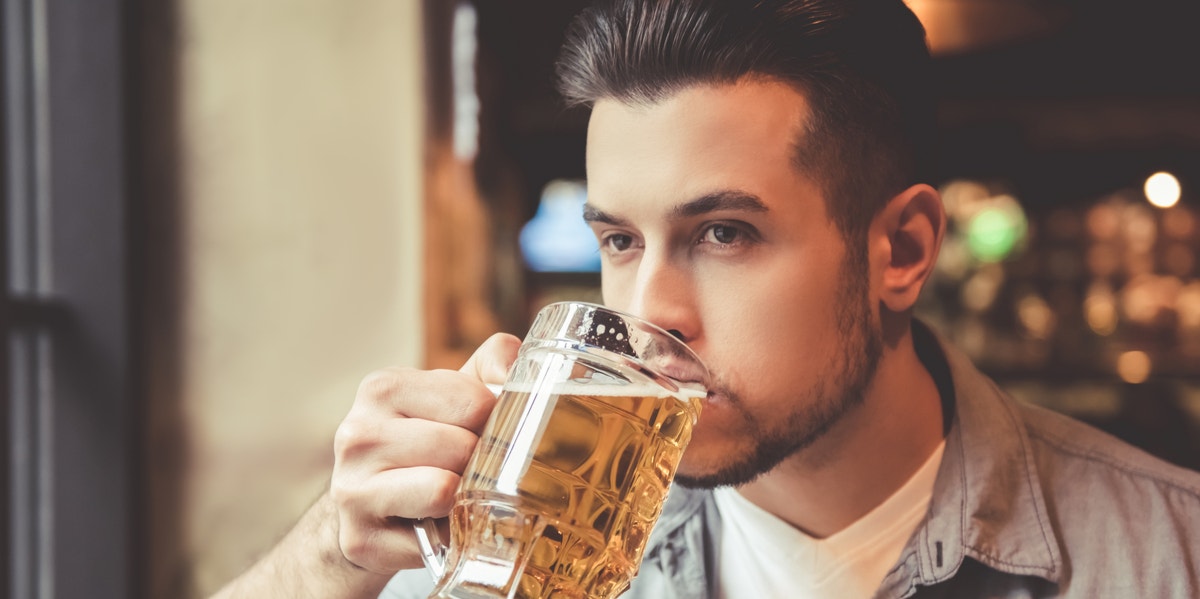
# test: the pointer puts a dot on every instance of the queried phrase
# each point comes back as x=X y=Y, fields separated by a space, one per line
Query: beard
x=819 y=407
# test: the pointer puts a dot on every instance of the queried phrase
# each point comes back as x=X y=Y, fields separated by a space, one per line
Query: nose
x=663 y=294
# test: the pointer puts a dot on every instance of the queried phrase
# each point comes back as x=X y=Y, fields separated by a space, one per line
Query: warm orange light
x=1179 y=259
x=1100 y=311
x=1139 y=301
x=956 y=26
x=979 y=292
x=1134 y=367
x=1179 y=223
x=1036 y=316
x=1139 y=227
x=1103 y=222
x=1103 y=259
x=1187 y=305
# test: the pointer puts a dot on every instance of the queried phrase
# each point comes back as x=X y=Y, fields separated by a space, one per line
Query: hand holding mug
x=402 y=448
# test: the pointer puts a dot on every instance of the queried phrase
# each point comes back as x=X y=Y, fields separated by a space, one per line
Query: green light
x=994 y=233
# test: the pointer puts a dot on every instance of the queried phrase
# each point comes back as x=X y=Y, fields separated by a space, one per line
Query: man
x=753 y=175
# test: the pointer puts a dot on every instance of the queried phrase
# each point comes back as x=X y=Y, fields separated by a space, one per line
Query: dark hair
x=862 y=65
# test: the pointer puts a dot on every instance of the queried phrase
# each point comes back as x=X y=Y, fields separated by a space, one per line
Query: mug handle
x=433 y=548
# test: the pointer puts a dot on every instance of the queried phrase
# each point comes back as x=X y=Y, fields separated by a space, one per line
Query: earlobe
x=911 y=227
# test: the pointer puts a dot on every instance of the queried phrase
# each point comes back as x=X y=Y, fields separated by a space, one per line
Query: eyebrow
x=720 y=200
x=592 y=214
x=711 y=202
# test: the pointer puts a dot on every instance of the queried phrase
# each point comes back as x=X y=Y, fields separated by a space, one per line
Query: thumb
x=490 y=363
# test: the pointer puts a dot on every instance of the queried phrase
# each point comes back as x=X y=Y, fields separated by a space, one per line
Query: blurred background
x=219 y=215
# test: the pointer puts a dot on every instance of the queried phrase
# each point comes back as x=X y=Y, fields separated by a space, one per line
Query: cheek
x=776 y=329
x=614 y=291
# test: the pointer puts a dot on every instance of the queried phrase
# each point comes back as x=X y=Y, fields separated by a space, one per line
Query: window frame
x=69 y=414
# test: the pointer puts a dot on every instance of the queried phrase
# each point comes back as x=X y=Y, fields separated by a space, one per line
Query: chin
x=714 y=465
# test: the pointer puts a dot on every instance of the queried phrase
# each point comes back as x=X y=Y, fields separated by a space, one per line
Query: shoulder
x=1121 y=515
x=1062 y=445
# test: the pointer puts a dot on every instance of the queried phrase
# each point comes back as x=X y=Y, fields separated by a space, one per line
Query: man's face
x=707 y=228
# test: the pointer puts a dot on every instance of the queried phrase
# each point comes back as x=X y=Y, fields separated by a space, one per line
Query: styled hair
x=862 y=65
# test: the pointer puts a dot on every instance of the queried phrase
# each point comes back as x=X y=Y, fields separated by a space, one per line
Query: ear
x=904 y=241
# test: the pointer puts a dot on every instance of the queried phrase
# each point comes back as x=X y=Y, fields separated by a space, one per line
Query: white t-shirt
x=763 y=557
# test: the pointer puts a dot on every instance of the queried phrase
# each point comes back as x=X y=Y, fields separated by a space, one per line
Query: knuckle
x=376 y=384
x=356 y=545
x=353 y=436
x=443 y=378
x=345 y=495
x=442 y=485
x=462 y=402
x=476 y=412
x=461 y=447
x=379 y=385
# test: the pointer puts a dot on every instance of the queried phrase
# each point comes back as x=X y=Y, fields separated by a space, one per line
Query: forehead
x=705 y=137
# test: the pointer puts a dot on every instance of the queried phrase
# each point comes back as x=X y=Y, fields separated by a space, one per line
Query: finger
x=491 y=361
x=381 y=546
x=442 y=396
x=417 y=492
x=385 y=444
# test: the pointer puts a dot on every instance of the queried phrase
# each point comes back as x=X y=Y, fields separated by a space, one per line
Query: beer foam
x=601 y=390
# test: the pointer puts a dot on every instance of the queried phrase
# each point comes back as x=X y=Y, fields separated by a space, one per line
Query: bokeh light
x=557 y=239
x=996 y=229
x=1178 y=259
x=1139 y=302
x=1103 y=222
x=979 y=292
x=1134 y=367
x=1036 y=316
x=1139 y=228
x=1163 y=190
x=1103 y=259
x=1100 y=309
x=1187 y=305
x=1179 y=223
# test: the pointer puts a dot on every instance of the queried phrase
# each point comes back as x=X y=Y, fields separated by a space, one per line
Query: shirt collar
x=987 y=502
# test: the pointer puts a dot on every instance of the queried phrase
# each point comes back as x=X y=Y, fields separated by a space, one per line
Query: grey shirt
x=1027 y=503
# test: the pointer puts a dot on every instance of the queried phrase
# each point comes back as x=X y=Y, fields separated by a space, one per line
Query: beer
x=580 y=505
x=570 y=473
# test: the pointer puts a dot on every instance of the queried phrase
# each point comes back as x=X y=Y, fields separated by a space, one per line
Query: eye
x=722 y=235
x=617 y=242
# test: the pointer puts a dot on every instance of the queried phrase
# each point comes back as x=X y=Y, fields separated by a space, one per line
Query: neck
x=865 y=457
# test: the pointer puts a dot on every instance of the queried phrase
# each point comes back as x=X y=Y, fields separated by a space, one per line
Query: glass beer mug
x=571 y=471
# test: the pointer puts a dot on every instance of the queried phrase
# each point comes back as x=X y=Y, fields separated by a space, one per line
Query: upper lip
x=680 y=370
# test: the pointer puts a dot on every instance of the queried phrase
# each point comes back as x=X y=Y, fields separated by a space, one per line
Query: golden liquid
x=597 y=480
